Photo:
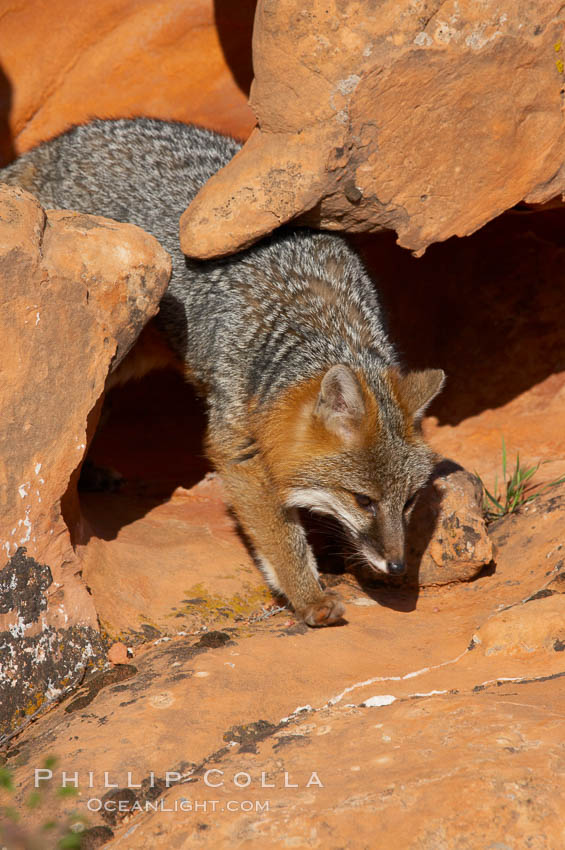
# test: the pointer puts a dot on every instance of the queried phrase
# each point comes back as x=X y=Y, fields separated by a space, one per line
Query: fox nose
x=396 y=568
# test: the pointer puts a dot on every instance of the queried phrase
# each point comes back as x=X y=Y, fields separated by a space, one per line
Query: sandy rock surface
x=428 y=118
x=163 y=567
x=396 y=714
x=75 y=291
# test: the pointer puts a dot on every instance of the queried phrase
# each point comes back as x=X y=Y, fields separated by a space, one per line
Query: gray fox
x=307 y=405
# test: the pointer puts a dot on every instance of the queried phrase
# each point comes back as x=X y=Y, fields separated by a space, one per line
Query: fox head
x=354 y=452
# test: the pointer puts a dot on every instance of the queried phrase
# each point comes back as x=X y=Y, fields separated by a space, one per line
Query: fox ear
x=340 y=404
x=418 y=389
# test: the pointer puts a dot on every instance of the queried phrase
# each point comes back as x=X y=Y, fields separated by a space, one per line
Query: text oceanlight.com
x=95 y=804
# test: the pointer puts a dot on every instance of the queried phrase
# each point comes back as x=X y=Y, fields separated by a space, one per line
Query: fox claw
x=325 y=611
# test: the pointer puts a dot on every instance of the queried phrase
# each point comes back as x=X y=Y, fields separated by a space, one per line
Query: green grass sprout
x=515 y=489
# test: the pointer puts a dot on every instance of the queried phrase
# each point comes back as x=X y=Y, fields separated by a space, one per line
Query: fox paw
x=324 y=611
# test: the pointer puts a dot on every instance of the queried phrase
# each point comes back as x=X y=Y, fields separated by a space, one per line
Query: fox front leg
x=279 y=542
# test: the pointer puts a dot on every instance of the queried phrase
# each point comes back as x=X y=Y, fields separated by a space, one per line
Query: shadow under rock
x=7 y=149
x=150 y=441
x=488 y=309
x=234 y=24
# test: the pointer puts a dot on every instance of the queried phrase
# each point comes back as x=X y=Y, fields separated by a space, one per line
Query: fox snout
x=392 y=565
x=383 y=545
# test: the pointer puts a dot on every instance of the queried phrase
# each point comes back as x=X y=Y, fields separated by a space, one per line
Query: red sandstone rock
x=185 y=61
x=447 y=538
x=75 y=291
x=118 y=654
x=428 y=119
x=527 y=628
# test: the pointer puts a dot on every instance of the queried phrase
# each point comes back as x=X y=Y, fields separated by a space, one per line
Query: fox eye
x=364 y=502
x=409 y=503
